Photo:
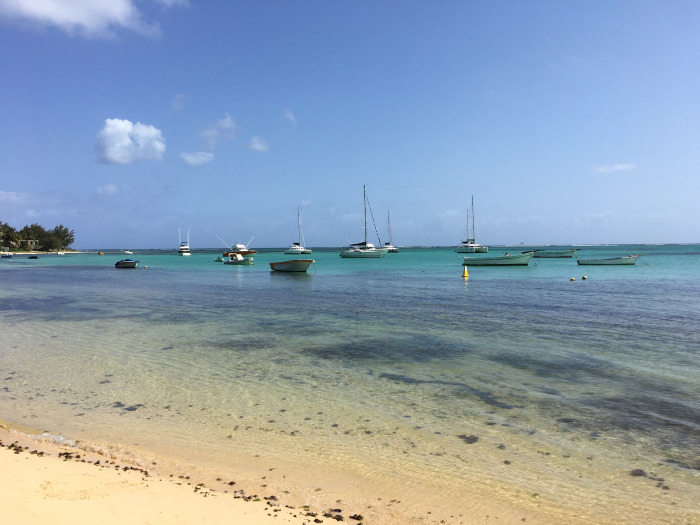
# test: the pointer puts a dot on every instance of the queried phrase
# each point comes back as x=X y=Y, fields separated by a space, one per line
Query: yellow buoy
x=466 y=273
x=573 y=279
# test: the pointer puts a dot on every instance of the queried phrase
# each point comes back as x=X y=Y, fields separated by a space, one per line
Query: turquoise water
x=373 y=369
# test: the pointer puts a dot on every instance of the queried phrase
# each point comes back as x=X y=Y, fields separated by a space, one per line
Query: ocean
x=390 y=378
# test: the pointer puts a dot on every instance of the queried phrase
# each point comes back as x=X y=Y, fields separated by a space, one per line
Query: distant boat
x=219 y=259
x=126 y=263
x=33 y=257
x=101 y=253
x=297 y=265
x=552 y=254
x=6 y=256
x=298 y=247
x=184 y=246
x=127 y=252
x=521 y=259
x=60 y=253
x=389 y=246
x=470 y=245
x=237 y=258
x=629 y=260
x=362 y=250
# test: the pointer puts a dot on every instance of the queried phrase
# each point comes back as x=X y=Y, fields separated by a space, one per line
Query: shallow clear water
x=376 y=368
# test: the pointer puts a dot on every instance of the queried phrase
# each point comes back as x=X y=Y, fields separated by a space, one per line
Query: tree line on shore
x=36 y=237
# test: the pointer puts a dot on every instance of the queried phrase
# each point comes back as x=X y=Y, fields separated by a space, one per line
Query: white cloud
x=121 y=142
x=197 y=158
x=107 y=189
x=614 y=167
x=93 y=18
x=11 y=196
x=178 y=101
x=287 y=113
x=224 y=129
x=32 y=213
x=258 y=143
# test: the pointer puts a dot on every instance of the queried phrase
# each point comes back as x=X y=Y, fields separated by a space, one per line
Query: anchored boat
x=628 y=260
x=552 y=254
x=470 y=245
x=237 y=258
x=184 y=246
x=297 y=265
x=362 y=250
x=521 y=259
x=126 y=263
x=298 y=247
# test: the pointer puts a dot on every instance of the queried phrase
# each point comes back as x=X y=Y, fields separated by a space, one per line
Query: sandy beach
x=39 y=486
x=42 y=481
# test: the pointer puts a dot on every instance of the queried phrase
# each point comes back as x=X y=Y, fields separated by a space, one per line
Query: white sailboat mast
x=364 y=189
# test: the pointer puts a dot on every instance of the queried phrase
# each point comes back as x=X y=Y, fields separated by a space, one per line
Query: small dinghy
x=126 y=263
x=629 y=260
x=33 y=257
x=296 y=265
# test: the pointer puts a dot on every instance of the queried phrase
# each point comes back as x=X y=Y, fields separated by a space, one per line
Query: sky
x=571 y=122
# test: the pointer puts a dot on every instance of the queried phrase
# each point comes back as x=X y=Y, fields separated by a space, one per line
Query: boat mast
x=299 y=225
x=364 y=189
x=388 y=220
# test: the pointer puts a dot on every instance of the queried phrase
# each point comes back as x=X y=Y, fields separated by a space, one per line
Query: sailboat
x=389 y=246
x=362 y=250
x=184 y=246
x=470 y=245
x=297 y=247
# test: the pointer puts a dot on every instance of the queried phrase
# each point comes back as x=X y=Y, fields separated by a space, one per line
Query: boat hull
x=481 y=249
x=184 y=253
x=303 y=251
x=552 y=254
x=297 y=265
x=243 y=261
x=126 y=264
x=616 y=261
x=505 y=260
x=361 y=254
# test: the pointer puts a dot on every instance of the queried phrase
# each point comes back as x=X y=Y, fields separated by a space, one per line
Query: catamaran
x=389 y=246
x=298 y=247
x=362 y=250
x=184 y=246
x=470 y=245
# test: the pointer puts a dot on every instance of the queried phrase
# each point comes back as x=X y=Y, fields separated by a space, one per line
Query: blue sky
x=569 y=122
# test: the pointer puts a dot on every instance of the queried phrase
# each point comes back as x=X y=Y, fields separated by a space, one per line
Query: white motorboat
x=297 y=248
x=127 y=252
x=297 y=265
x=126 y=263
x=60 y=253
x=362 y=250
x=237 y=258
x=616 y=261
x=470 y=245
x=184 y=246
x=389 y=246
x=552 y=254
x=521 y=259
